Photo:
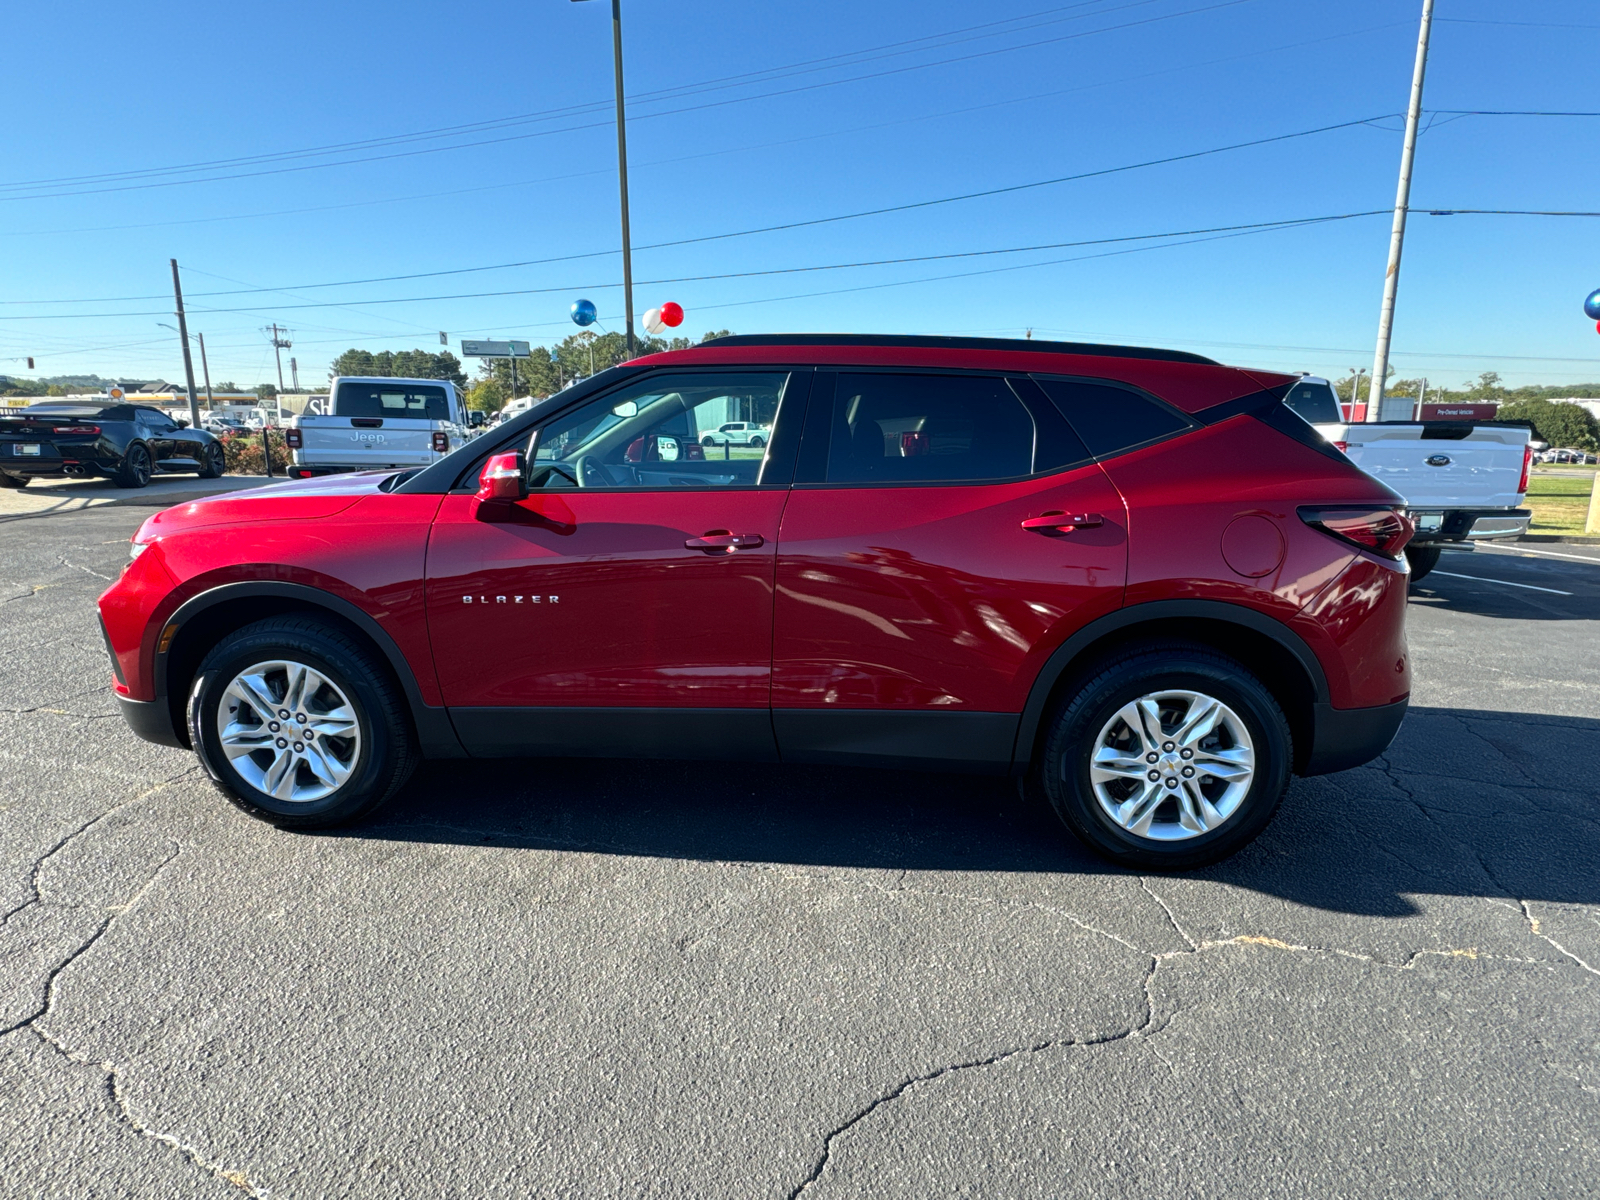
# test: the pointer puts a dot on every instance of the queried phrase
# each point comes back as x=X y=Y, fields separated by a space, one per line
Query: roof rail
x=926 y=342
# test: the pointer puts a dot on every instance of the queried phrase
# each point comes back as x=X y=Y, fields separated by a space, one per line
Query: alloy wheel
x=1172 y=765
x=289 y=731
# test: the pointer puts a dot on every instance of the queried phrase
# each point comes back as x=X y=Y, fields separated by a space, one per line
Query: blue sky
x=934 y=99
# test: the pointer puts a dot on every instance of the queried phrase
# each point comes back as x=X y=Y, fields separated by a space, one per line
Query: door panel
x=590 y=598
x=936 y=598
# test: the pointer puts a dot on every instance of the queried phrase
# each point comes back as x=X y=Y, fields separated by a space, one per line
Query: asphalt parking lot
x=626 y=979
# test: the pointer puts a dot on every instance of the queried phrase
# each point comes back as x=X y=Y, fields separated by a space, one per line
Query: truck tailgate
x=365 y=441
x=1433 y=466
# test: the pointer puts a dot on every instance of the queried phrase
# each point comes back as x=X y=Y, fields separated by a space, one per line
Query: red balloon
x=672 y=314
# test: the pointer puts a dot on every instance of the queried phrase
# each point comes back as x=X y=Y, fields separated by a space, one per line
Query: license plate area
x=26 y=449
x=1428 y=522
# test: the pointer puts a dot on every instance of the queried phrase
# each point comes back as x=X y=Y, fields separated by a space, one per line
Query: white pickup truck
x=375 y=424
x=1462 y=480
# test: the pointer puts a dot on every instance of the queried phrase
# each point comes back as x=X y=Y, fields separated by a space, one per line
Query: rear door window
x=891 y=427
x=1111 y=418
x=391 y=400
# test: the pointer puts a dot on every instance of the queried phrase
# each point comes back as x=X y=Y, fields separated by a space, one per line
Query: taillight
x=92 y=430
x=1384 y=531
x=1342 y=447
x=441 y=442
x=291 y=438
x=1527 y=465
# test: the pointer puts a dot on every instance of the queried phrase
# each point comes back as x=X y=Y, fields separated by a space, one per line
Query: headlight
x=137 y=548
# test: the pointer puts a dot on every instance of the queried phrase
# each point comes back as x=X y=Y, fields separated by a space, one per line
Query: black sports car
x=128 y=443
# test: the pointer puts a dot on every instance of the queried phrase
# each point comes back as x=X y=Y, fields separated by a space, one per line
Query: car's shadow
x=1465 y=803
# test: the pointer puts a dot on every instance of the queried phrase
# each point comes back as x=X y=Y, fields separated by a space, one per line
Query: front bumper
x=150 y=720
x=1347 y=737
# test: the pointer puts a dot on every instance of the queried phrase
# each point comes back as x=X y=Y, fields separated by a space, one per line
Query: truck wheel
x=758 y=441
x=13 y=481
x=1422 y=559
x=1170 y=756
x=299 y=725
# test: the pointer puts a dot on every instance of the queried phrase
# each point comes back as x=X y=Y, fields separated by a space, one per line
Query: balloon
x=652 y=321
x=583 y=312
x=1591 y=306
x=672 y=314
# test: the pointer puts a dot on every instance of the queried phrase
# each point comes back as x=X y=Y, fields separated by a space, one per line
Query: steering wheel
x=590 y=472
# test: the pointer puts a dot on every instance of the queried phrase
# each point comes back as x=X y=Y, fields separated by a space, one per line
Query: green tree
x=1487 y=387
x=226 y=386
x=403 y=364
x=486 y=396
x=1568 y=425
x=266 y=391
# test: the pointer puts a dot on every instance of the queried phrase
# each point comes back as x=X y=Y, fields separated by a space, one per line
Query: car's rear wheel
x=136 y=467
x=299 y=724
x=213 y=462
x=12 y=481
x=1169 y=757
x=1422 y=559
x=758 y=441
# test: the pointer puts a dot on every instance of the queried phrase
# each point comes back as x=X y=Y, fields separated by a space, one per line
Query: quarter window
x=1109 y=418
x=905 y=428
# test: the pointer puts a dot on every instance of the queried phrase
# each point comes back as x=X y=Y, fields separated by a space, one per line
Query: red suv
x=1133 y=579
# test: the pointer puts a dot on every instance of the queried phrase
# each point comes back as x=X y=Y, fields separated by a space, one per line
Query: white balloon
x=652 y=321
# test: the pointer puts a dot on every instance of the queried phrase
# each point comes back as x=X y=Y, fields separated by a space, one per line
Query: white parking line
x=1502 y=582
x=1546 y=554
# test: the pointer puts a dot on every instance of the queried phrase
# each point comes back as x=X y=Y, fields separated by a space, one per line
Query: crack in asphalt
x=1139 y=1032
x=1534 y=928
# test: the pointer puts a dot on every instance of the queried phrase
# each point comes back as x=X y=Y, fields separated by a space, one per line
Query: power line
x=46 y=195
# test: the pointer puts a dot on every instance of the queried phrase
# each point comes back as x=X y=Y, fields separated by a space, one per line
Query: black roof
x=920 y=341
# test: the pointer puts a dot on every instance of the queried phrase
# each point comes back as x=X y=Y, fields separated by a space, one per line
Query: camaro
x=1132 y=579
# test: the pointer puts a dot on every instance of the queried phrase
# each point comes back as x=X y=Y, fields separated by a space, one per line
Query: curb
x=1561 y=538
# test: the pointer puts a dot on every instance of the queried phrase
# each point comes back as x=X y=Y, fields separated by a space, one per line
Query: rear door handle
x=720 y=541
x=1060 y=522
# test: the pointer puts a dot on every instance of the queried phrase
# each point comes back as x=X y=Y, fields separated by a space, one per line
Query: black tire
x=213 y=461
x=380 y=762
x=136 y=467
x=1074 y=727
x=13 y=481
x=708 y=441
x=1422 y=559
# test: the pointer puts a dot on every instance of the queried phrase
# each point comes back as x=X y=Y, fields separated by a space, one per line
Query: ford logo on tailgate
x=1438 y=460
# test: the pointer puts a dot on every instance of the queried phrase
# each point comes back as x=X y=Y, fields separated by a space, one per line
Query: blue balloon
x=1591 y=306
x=583 y=312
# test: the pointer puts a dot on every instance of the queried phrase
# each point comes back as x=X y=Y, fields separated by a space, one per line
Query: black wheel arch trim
x=1071 y=650
x=436 y=735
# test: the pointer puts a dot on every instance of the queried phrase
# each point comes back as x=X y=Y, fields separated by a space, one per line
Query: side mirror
x=476 y=419
x=183 y=422
x=503 y=478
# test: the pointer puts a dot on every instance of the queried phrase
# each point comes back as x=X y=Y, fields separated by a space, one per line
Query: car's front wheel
x=299 y=724
x=1169 y=757
x=708 y=441
x=213 y=462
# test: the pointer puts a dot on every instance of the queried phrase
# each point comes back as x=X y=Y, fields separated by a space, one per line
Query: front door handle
x=720 y=541
x=1060 y=522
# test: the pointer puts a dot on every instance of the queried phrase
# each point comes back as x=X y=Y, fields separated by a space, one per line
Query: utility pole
x=210 y=403
x=279 y=344
x=188 y=360
x=622 y=174
x=294 y=374
x=1397 y=236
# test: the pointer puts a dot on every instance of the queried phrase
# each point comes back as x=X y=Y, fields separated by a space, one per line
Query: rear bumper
x=150 y=720
x=1471 y=524
x=1347 y=737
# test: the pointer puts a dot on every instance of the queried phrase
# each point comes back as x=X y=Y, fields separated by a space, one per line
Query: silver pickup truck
x=1462 y=480
x=375 y=424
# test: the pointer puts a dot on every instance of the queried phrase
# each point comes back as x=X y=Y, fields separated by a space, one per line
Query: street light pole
x=1397 y=235
x=183 y=336
x=622 y=174
x=210 y=403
